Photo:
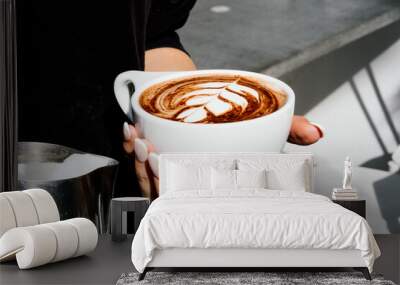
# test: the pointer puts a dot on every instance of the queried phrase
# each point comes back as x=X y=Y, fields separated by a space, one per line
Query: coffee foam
x=211 y=99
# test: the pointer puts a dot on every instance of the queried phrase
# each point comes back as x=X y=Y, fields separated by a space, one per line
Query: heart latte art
x=211 y=99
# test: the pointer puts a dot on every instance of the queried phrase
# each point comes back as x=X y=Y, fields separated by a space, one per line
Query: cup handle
x=125 y=85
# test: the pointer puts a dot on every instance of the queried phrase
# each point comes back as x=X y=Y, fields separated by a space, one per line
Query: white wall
x=350 y=133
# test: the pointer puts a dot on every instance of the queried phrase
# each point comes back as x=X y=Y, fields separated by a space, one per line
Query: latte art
x=211 y=99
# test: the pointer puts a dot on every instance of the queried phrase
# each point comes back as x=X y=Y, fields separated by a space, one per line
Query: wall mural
x=362 y=117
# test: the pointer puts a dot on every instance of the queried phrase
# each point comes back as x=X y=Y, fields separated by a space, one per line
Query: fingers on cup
x=157 y=185
x=138 y=131
x=153 y=161
x=130 y=135
x=142 y=149
x=148 y=181
x=305 y=133
x=126 y=131
x=143 y=178
x=129 y=132
x=321 y=129
x=308 y=134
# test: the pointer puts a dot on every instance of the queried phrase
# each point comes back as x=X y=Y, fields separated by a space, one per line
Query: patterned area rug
x=269 y=278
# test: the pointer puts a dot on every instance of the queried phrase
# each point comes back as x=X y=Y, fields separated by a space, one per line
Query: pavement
x=278 y=36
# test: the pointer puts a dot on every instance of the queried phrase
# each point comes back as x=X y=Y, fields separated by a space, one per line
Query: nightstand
x=357 y=206
x=119 y=208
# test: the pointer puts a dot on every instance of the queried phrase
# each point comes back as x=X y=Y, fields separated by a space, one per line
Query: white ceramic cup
x=263 y=134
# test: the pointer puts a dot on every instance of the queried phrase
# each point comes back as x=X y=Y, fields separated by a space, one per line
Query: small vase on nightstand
x=346 y=196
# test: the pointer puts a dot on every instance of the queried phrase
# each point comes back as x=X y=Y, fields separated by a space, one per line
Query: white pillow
x=228 y=179
x=188 y=177
x=282 y=174
x=293 y=180
x=251 y=178
x=223 y=179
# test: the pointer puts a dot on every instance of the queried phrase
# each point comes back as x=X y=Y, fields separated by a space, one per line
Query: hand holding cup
x=207 y=111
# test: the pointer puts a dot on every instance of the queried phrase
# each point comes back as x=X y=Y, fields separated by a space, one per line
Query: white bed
x=196 y=224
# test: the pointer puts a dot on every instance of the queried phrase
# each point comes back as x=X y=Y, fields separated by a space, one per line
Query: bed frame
x=242 y=259
x=246 y=258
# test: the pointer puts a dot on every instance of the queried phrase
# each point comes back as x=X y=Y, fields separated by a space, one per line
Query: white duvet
x=250 y=219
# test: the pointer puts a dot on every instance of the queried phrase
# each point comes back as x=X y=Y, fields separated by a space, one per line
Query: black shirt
x=69 y=53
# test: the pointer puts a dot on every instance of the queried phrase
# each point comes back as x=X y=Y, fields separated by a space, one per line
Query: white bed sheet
x=252 y=218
